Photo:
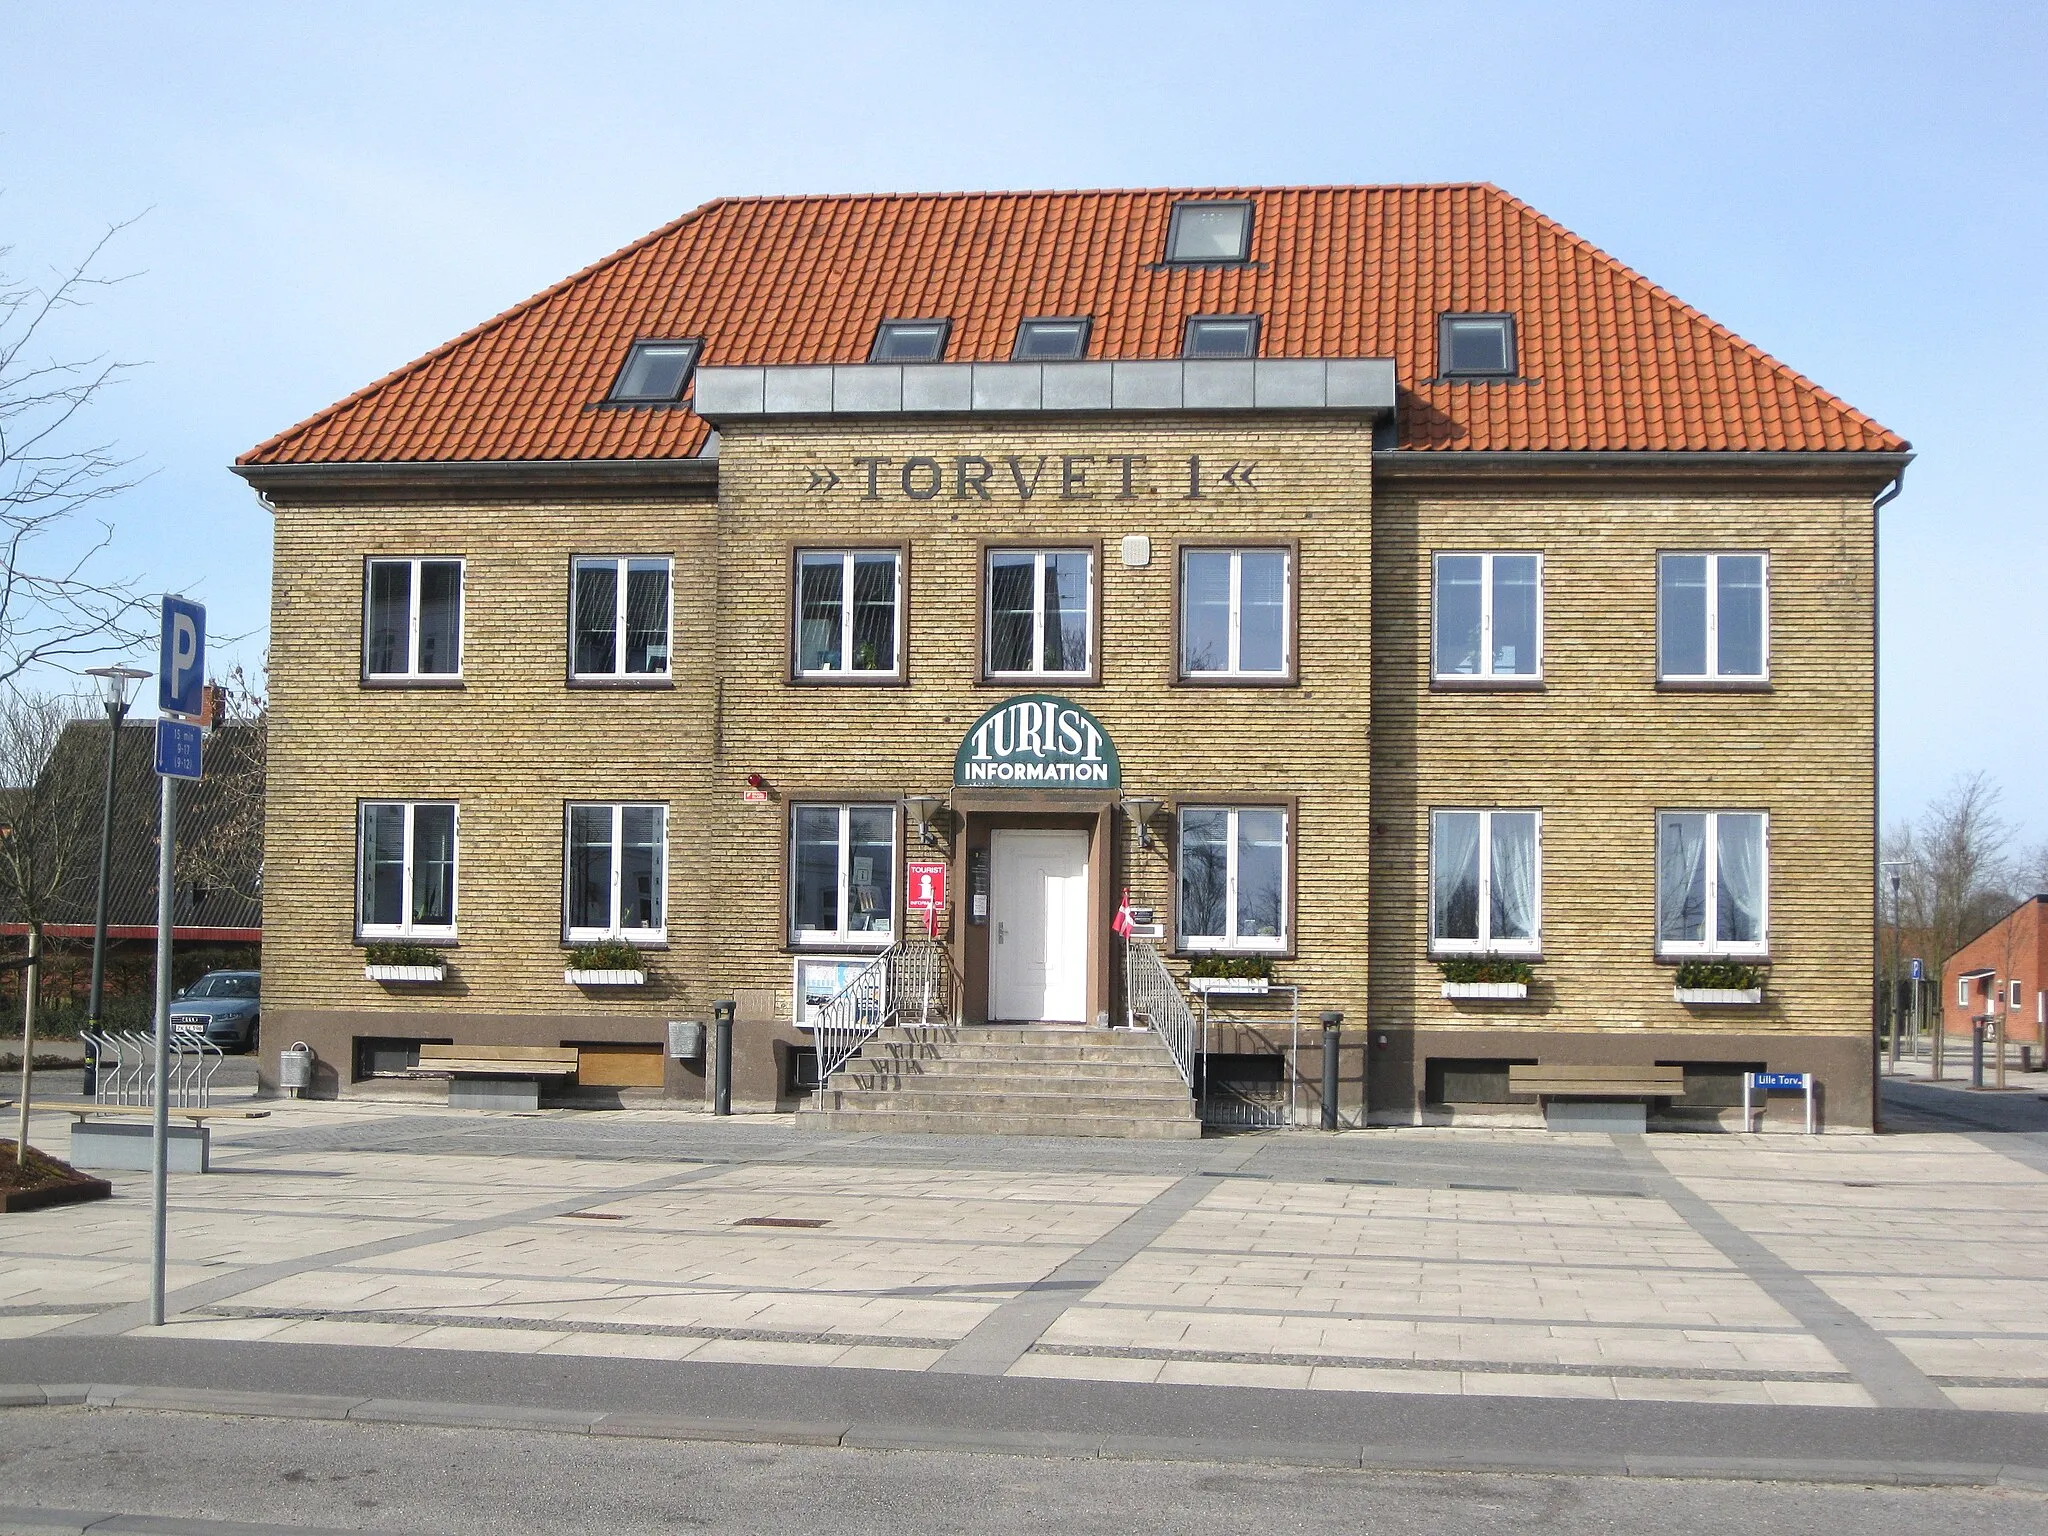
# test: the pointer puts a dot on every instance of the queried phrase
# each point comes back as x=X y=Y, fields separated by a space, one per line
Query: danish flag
x=1123 y=924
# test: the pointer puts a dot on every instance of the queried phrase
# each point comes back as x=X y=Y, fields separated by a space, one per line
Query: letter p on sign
x=181 y=669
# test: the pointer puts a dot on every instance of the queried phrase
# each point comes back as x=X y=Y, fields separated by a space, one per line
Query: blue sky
x=331 y=190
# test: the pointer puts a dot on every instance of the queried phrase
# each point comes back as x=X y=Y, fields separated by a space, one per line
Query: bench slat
x=1597 y=1081
x=558 y=1055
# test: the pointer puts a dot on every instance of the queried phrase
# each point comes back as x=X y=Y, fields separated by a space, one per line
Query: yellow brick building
x=1377 y=593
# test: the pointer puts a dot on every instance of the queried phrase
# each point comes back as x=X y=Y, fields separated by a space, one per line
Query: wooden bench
x=119 y=1143
x=1596 y=1098
x=495 y=1076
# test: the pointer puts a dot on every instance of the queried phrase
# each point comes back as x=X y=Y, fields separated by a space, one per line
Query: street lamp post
x=116 y=685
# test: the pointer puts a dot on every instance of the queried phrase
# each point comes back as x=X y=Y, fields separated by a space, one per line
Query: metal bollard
x=721 y=1082
x=1331 y=1019
x=1977 y=1054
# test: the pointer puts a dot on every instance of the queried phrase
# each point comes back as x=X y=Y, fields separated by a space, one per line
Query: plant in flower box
x=1485 y=976
x=404 y=962
x=606 y=963
x=1245 y=975
x=1718 y=982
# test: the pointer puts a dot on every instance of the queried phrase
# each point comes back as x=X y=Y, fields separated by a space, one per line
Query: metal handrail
x=906 y=983
x=1152 y=995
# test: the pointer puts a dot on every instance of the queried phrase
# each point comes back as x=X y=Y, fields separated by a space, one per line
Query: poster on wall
x=819 y=980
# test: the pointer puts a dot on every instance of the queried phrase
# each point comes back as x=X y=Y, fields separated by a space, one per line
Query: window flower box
x=1515 y=990
x=604 y=978
x=1234 y=986
x=1718 y=996
x=405 y=973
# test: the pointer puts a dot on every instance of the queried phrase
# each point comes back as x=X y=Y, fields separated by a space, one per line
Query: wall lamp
x=922 y=809
x=1140 y=809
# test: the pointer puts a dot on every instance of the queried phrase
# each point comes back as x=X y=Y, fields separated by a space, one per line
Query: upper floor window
x=1488 y=616
x=1051 y=341
x=1233 y=877
x=1221 y=336
x=412 y=618
x=842 y=874
x=1713 y=616
x=847 y=603
x=1476 y=346
x=622 y=617
x=655 y=372
x=1713 y=882
x=1485 y=882
x=615 y=876
x=1040 y=611
x=1210 y=231
x=1234 y=606
x=910 y=341
x=405 y=869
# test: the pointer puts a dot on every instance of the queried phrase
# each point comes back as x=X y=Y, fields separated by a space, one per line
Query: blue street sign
x=1916 y=971
x=1780 y=1082
x=181 y=676
x=177 y=749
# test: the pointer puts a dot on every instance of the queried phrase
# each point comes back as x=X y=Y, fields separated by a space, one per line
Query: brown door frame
x=982 y=813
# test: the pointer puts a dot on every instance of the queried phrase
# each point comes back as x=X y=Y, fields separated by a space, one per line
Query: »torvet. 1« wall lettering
x=1031 y=477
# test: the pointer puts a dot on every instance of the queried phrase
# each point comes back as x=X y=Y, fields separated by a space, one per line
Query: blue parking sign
x=181 y=674
x=177 y=749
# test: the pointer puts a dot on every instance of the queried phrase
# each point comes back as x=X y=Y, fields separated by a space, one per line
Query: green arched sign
x=1037 y=741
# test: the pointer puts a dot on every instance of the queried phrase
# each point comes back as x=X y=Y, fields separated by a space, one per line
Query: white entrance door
x=1038 y=925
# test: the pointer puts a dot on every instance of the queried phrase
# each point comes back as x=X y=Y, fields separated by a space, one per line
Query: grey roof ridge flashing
x=1362 y=385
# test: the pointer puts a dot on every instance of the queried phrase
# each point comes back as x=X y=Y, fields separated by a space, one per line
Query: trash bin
x=295 y=1069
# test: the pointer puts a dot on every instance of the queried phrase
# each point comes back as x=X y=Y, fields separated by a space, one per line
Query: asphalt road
x=452 y=1482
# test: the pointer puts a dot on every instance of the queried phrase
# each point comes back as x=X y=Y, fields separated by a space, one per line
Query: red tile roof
x=1610 y=361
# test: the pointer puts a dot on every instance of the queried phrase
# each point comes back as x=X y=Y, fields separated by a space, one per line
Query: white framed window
x=1485 y=882
x=1713 y=617
x=412 y=618
x=615 y=872
x=1234 y=613
x=405 y=869
x=1487 y=616
x=1962 y=992
x=2018 y=996
x=842 y=874
x=621 y=616
x=1041 y=612
x=848 y=606
x=1233 y=877
x=1713 y=882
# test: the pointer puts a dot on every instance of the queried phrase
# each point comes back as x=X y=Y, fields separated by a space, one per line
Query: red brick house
x=2003 y=972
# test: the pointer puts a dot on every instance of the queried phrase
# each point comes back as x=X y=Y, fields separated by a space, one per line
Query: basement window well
x=655 y=373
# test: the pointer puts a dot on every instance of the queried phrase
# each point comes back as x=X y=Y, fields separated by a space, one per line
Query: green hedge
x=609 y=955
x=1720 y=975
x=1466 y=969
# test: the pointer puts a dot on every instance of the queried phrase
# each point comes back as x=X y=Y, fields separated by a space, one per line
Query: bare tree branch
x=68 y=610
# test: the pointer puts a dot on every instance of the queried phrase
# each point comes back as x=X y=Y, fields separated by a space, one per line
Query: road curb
x=1090 y=1447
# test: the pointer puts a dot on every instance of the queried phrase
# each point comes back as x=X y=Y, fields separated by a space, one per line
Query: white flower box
x=1494 y=989
x=1723 y=996
x=605 y=978
x=405 y=973
x=1235 y=986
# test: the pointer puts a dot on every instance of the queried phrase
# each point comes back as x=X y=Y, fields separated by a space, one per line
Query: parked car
x=223 y=1007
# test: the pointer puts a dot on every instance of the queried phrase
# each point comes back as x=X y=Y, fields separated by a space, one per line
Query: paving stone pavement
x=1893 y=1271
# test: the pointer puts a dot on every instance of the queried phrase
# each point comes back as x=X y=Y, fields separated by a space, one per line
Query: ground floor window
x=1485 y=882
x=405 y=869
x=616 y=877
x=842 y=874
x=388 y=1056
x=1233 y=877
x=1712 y=882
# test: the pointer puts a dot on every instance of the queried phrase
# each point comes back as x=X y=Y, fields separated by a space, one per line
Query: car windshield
x=223 y=984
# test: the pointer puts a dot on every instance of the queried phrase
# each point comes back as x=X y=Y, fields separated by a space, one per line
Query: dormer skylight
x=1476 y=347
x=1221 y=336
x=1209 y=231
x=655 y=372
x=910 y=341
x=1051 y=341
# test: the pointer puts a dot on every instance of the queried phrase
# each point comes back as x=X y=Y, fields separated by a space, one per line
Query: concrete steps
x=1018 y=1080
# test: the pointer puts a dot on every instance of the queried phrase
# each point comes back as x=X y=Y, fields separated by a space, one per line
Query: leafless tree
x=1959 y=874
x=51 y=812
x=225 y=851
x=58 y=607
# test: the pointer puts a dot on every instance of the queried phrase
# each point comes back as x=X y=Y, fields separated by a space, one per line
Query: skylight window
x=1210 y=231
x=910 y=341
x=655 y=372
x=1476 y=346
x=1221 y=336
x=1051 y=341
